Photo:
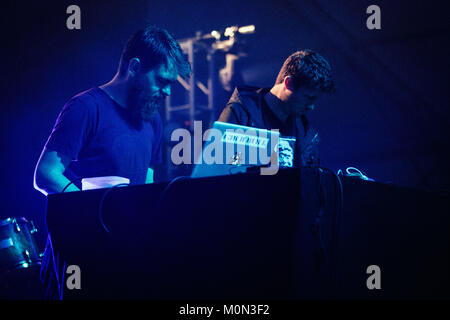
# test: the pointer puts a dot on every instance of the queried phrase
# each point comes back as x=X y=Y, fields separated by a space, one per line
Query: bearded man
x=115 y=129
x=110 y=130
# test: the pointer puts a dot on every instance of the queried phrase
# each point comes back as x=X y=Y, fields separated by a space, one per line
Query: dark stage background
x=389 y=116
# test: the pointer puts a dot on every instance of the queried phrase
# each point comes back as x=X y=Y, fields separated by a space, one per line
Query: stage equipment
x=200 y=89
x=18 y=247
x=236 y=148
x=300 y=234
x=213 y=58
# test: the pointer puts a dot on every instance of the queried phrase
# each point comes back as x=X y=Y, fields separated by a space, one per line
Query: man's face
x=148 y=91
x=303 y=100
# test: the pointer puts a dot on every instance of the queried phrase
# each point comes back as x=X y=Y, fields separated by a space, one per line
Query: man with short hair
x=115 y=129
x=305 y=75
x=111 y=130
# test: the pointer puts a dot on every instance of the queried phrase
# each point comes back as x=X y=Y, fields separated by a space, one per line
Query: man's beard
x=149 y=107
x=142 y=106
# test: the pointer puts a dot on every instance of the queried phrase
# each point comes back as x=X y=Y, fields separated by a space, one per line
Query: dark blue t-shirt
x=100 y=138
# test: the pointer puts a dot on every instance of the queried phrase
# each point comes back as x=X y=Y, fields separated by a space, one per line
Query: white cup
x=102 y=182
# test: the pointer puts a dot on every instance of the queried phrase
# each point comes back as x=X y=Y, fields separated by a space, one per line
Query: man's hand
x=49 y=173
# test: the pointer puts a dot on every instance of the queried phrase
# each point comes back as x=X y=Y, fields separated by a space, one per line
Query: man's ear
x=134 y=66
x=288 y=83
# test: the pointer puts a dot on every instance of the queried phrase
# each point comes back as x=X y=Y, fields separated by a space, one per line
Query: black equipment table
x=248 y=236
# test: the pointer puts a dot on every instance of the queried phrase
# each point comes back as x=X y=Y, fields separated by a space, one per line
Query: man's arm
x=48 y=175
x=149 y=178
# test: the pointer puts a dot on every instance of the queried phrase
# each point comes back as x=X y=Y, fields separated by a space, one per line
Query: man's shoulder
x=244 y=94
x=248 y=98
x=244 y=106
x=86 y=103
x=87 y=97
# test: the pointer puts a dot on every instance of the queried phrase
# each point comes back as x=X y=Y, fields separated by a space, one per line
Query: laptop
x=230 y=149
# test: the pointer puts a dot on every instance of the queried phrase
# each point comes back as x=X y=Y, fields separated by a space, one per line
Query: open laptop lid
x=230 y=148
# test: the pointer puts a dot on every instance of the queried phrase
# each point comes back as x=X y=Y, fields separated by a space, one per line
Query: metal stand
x=195 y=99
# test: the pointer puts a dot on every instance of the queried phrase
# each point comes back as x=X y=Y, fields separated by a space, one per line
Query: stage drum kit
x=20 y=259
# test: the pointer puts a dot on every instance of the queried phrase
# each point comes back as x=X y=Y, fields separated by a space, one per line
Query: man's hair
x=154 y=46
x=309 y=69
